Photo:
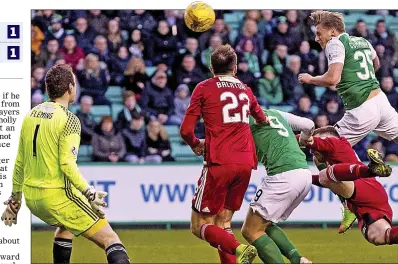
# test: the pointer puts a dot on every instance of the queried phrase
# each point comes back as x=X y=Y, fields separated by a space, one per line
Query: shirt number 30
x=235 y=117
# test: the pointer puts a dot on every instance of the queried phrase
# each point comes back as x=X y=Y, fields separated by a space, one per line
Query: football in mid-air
x=199 y=16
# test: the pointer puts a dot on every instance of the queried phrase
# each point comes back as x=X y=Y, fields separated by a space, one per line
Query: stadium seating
x=74 y=108
x=233 y=34
x=99 y=111
x=183 y=153
x=234 y=19
x=85 y=153
x=150 y=70
x=114 y=94
x=319 y=90
x=314 y=109
x=116 y=108
x=174 y=134
x=264 y=56
x=352 y=19
x=396 y=75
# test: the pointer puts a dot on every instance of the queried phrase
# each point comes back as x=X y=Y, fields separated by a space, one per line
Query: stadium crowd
x=117 y=48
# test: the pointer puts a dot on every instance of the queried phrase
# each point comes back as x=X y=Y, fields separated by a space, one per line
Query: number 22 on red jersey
x=221 y=105
x=229 y=110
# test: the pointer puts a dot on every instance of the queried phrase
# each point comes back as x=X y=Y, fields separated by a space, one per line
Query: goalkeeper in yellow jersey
x=46 y=172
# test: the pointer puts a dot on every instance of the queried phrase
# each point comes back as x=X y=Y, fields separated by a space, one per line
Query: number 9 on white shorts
x=280 y=194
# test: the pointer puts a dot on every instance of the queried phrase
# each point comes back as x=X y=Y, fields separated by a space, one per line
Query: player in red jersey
x=225 y=104
x=348 y=177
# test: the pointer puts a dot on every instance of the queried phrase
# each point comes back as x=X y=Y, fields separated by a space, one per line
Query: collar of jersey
x=340 y=35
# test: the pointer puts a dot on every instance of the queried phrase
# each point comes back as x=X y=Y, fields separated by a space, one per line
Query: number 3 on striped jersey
x=365 y=58
x=236 y=117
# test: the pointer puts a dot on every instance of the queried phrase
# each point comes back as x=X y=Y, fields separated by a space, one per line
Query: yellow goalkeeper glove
x=10 y=214
x=96 y=200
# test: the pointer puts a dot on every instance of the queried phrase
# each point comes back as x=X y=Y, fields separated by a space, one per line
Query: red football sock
x=348 y=172
x=315 y=181
x=219 y=238
x=226 y=258
x=392 y=235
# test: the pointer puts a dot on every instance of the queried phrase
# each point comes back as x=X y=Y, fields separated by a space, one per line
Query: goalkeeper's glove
x=13 y=203
x=96 y=200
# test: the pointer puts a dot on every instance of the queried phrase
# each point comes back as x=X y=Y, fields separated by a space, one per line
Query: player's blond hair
x=328 y=20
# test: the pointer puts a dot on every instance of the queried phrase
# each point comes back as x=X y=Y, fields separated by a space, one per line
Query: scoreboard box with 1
x=11 y=42
x=13 y=31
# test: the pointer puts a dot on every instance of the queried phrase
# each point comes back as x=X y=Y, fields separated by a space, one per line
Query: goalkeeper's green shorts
x=64 y=208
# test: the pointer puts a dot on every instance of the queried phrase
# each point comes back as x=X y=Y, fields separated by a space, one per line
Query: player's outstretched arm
x=325 y=145
x=331 y=78
x=335 y=54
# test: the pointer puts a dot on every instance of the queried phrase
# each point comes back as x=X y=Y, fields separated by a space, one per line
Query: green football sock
x=283 y=243
x=267 y=250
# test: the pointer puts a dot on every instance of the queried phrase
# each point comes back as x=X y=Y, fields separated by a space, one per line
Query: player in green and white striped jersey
x=352 y=64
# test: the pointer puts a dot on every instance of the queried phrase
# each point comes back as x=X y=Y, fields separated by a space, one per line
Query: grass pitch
x=180 y=246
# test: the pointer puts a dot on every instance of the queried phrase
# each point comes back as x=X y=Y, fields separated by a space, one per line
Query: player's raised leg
x=376 y=165
x=348 y=218
x=103 y=235
x=343 y=188
x=62 y=247
x=352 y=172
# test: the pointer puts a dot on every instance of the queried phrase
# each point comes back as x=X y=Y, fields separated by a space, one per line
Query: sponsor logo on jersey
x=74 y=152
